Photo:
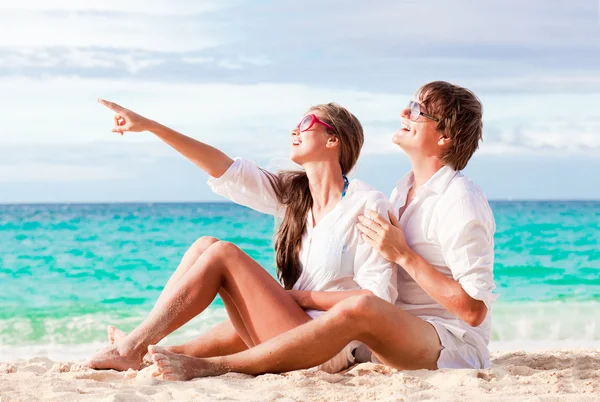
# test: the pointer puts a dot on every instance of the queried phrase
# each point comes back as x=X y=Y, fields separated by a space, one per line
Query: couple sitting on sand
x=405 y=282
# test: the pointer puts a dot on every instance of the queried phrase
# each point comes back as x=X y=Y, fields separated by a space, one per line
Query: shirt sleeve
x=371 y=270
x=466 y=235
x=246 y=184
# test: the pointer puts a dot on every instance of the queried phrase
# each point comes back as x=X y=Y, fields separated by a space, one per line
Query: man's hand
x=387 y=238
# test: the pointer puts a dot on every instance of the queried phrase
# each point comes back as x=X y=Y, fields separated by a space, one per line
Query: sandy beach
x=565 y=375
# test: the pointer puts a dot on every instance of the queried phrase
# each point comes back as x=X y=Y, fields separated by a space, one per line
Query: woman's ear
x=332 y=142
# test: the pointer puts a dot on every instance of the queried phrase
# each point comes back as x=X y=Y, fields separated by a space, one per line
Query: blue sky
x=239 y=75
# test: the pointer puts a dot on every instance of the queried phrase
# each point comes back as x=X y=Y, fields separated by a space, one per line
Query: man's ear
x=333 y=141
x=444 y=141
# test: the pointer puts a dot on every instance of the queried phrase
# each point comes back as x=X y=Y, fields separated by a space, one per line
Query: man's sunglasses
x=415 y=112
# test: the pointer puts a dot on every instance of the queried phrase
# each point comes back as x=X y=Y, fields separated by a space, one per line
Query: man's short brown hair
x=460 y=113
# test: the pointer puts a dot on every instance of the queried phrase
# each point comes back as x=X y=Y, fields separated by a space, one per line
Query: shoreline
x=568 y=374
x=75 y=352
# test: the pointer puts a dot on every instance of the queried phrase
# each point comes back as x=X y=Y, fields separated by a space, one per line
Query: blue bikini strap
x=346 y=184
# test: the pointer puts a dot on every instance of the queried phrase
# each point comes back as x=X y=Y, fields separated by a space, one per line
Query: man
x=442 y=238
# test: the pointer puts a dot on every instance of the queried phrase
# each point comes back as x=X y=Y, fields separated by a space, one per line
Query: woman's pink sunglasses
x=309 y=120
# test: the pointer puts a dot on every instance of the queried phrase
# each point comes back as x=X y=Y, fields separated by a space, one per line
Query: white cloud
x=88 y=59
x=135 y=65
x=115 y=30
x=78 y=58
x=492 y=46
x=406 y=26
x=541 y=81
x=159 y=7
x=199 y=60
x=94 y=161
x=38 y=172
x=255 y=61
x=227 y=63
x=553 y=137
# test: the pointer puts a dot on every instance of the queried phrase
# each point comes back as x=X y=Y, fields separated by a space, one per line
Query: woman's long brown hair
x=293 y=191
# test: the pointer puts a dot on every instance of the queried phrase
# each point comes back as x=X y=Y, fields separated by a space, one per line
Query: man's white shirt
x=450 y=224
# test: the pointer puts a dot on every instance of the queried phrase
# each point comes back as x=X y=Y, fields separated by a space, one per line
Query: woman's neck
x=325 y=182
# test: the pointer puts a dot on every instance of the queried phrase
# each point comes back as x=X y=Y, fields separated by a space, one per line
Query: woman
x=321 y=258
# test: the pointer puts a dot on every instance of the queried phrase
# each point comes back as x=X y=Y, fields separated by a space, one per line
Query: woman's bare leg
x=219 y=341
x=265 y=308
x=397 y=338
x=187 y=261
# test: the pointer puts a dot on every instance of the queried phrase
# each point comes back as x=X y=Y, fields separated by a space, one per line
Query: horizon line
x=509 y=199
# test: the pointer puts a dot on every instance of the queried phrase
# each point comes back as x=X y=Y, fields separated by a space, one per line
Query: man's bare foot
x=115 y=334
x=174 y=367
x=113 y=357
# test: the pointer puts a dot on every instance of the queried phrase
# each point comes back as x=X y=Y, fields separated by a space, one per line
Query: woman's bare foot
x=174 y=367
x=114 y=357
x=115 y=334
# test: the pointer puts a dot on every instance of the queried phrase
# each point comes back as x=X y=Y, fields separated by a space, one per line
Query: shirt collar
x=440 y=180
x=405 y=182
x=436 y=183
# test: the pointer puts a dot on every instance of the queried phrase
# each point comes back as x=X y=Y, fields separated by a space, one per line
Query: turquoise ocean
x=66 y=271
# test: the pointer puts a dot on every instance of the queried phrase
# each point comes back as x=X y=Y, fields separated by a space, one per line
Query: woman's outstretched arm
x=210 y=159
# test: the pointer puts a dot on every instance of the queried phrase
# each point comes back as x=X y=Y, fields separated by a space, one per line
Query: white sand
x=565 y=375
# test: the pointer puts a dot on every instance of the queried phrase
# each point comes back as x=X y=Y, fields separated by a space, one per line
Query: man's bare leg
x=397 y=338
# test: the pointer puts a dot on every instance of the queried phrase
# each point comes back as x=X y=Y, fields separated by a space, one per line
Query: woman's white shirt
x=334 y=257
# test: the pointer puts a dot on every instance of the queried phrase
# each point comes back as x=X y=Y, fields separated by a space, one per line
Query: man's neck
x=423 y=169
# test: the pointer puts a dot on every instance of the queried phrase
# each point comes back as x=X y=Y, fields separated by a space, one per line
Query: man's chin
x=404 y=145
x=398 y=140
